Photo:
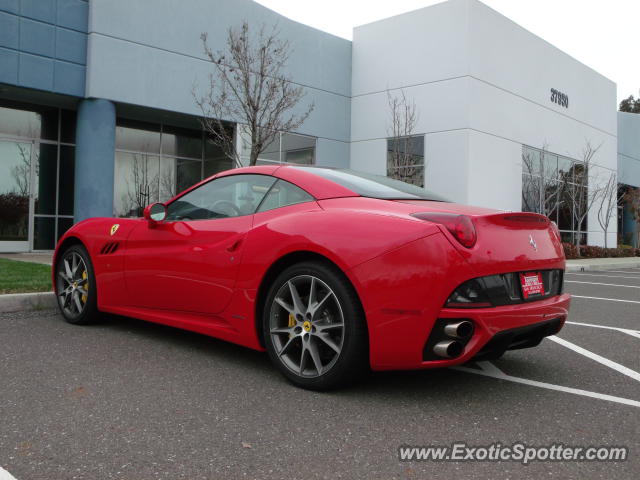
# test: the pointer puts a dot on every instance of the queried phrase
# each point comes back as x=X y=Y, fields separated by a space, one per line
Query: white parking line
x=633 y=333
x=594 y=356
x=548 y=386
x=598 y=275
x=4 y=475
x=607 y=284
x=608 y=299
x=633 y=272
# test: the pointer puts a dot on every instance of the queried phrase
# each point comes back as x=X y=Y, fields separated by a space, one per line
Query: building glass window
x=405 y=159
x=284 y=148
x=155 y=162
x=37 y=156
x=550 y=185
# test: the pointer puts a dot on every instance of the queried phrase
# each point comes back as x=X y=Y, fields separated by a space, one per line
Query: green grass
x=22 y=277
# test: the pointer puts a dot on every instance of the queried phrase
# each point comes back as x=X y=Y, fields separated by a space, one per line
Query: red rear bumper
x=489 y=322
x=403 y=293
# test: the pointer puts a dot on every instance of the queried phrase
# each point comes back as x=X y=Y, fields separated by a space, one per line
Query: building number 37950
x=560 y=98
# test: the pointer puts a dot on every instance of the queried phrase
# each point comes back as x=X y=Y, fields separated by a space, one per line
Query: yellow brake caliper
x=292 y=323
x=86 y=286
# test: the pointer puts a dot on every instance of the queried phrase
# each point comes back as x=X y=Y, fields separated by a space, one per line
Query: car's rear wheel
x=314 y=328
x=76 y=286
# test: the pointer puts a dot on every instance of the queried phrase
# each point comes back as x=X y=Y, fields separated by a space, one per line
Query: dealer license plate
x=532 y=285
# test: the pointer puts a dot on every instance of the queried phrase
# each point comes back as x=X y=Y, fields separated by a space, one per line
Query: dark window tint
x=46 y=158
x=66 y=180
x=282 y=194
x=230 y=196
x=375 y=186
x=181 y=142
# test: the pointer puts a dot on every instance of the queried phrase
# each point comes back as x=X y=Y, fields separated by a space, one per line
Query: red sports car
x=330 y=271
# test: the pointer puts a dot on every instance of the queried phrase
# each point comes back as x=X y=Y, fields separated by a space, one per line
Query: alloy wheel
x=73 y=284
x=306 y=325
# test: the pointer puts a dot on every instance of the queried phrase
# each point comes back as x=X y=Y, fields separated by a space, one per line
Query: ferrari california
x=332 y=272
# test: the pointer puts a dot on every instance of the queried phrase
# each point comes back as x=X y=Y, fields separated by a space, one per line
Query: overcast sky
x=603 y=34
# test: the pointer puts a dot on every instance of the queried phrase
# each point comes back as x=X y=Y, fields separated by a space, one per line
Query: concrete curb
x=19 y=302
x=594 y=267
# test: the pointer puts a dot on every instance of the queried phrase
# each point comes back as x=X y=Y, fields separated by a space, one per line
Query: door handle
x=234 y=246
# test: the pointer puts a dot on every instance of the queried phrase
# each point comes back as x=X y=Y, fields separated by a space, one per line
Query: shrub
x=570 y=250
x=591 y=251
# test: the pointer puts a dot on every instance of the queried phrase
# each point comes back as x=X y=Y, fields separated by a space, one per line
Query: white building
x=92 y=91
x=482 y=86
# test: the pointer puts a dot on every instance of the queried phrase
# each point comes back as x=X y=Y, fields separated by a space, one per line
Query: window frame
x=311 y=197
x=220 y=177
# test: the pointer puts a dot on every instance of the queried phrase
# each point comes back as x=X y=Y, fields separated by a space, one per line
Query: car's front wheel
x=314 y=328
x=76 y=286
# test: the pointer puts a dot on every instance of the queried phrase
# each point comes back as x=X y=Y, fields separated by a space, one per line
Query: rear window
x=374 y=186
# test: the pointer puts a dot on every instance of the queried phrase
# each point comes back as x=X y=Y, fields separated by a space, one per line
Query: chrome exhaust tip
x=462 y=329
x=448 y=349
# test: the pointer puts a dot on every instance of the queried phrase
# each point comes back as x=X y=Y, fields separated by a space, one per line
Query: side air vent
x=109 y=248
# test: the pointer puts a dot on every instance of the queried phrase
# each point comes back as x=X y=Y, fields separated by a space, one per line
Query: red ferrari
x=332 y=272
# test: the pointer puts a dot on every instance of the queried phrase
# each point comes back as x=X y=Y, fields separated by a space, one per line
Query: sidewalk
x=44 y=258
x=593 y=264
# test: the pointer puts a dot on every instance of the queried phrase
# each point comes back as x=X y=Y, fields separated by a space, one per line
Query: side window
x=229 y=196
x=282 y=194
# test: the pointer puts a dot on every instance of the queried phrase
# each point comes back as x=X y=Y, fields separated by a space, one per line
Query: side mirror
x=156 y=212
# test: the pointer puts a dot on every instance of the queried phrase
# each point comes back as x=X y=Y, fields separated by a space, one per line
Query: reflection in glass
x=181 y=142
x=530 y=193
x=405 y=159
x=188 y=173
x=138 y=136
x=36 y=123
x=283 y=194
x=284 y=148
x=230 y=196
x=136 y=183
x=15 y=174
x=552 y=191
x=215 y=160
x=167 y=187
x=298 y=149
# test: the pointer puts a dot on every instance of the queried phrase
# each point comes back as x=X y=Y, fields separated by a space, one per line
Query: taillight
x=460 y=226
x=471 y=294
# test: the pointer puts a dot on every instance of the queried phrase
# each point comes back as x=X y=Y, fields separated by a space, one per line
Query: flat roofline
x=257 y=2
x=478 y=2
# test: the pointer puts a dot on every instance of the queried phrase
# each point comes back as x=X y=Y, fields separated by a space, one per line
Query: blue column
x=95 y=157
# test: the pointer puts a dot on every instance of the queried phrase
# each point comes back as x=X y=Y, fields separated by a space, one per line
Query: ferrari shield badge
x=114 y=228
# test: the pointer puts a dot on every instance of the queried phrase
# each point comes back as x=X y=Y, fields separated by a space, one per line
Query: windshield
x=374 y=186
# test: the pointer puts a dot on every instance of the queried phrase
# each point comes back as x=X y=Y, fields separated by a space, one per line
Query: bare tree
x=249 y=85
x=608 y=203
x=22 y=172
x=540 y=193
x=578 y=195
x=401 y=157
x=144 y=188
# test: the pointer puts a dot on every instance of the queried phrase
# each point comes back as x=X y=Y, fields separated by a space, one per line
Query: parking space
x=131 y=400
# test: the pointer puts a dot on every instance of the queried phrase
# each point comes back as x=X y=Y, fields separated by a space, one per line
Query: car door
x=189 y=261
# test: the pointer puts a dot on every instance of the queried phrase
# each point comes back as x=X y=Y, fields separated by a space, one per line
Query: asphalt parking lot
x=130 y=400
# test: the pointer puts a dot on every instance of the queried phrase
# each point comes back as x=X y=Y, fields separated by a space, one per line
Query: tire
x=303 y=339
x=77 y=295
